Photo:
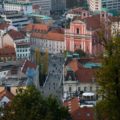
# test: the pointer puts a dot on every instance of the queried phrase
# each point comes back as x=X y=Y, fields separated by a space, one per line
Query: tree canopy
x=29 y=104
x=109 y=81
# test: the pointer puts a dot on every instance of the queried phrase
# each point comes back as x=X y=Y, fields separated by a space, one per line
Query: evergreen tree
x=29 y=104
x=37 y=56
x=45 y=63
x=108 y=78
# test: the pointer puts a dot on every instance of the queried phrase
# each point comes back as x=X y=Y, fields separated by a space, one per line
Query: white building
x=19 y=41
x=22 y=50
x=54 y=42
x=97 y=5
x=78 y=79
x=26 y=8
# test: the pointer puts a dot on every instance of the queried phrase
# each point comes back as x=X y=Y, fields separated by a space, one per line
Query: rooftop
x=78 y=113
x=49 y=36
x=3 y=26
x=27 y=64
x=16 y=35
x=6 y=93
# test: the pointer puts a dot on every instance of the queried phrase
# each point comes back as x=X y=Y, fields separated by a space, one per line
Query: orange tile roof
x=16 y=34
x=28 y=64
x=32 y=27
x=78 y=113
x=85 y=75
x=49 y=36
x=7 y=94
x=3 y=26
x=7 y=51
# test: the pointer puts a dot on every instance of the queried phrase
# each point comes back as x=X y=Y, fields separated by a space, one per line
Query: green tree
x=37 y=56
x=29 y=104
x=45 y=63
x=80 y=52
x=109 y=81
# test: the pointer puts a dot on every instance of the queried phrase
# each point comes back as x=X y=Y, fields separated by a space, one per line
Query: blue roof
x=30 y=73
x=91 y=65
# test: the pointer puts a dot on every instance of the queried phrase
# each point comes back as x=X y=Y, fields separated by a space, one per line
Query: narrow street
x=52 y=85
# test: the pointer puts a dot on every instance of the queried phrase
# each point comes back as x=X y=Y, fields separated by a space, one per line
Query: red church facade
x=81 y=35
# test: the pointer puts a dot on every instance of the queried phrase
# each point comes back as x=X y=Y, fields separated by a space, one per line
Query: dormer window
x=77 y=31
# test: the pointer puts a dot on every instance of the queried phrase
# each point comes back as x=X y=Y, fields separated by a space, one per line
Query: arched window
x=77 y=31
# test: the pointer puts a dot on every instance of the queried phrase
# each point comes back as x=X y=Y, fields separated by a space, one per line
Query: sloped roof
x=7 y=51
x=49 y=36
x=28 y=64
x=6 y=93
x=16 y=34
x=32 y=27
x=85 y=75
x=3 y=26
x=78 y=113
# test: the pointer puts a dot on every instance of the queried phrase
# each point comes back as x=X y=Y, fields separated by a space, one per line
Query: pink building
x=81 y=34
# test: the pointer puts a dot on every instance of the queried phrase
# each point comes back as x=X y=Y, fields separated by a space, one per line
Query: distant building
x=77 y=112
x=42 y=36
x=6 y=97
x=82 y=32
x=19 y=74
x=26 y=8
x=72 y=3
x=15 y=18
x=14 y=41
x=99 y=5
x=79 y=77
x=7 y=53
x=77 y=12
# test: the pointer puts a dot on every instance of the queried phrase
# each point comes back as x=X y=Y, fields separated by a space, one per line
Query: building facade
x=26 y=8
x=97 y=5
x=54 y=42
x=79 y=78
x=19 y=41
x=15 y=18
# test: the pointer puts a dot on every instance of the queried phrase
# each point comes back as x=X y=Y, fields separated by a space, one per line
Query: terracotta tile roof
x=7 y=51
x=57 y=30
x=92 y=22
x=3 y=26
x=49 y=36
x=7 y=94
x=78 y=113
x=27 y=64
x=36 y=27
x=16 y=34
x=86 y=75
x=72 y=104
x=28 y=28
